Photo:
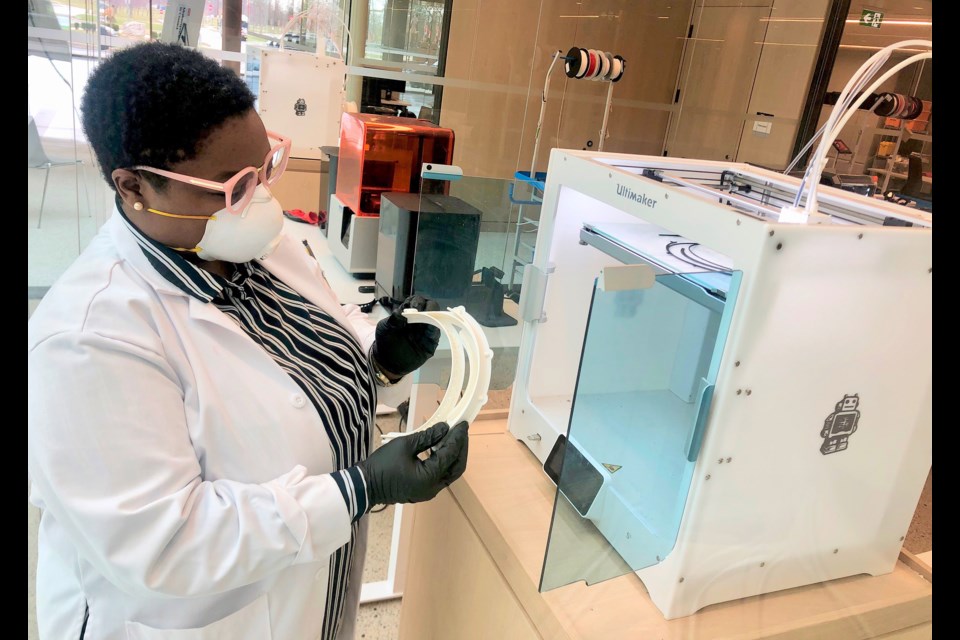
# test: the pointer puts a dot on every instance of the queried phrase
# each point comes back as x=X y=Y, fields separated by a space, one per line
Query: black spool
x=572 y=66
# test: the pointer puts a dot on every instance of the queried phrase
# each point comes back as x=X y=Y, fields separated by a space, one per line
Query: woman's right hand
x=395 y=474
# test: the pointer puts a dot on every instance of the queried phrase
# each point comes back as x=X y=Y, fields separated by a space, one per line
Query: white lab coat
x=180 y=472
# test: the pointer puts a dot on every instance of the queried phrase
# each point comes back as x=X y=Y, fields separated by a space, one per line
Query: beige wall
x=742 y=60
x=747 y=58
x=718 y=75
x=783 y=78
x=303 y=185
x=504 y=48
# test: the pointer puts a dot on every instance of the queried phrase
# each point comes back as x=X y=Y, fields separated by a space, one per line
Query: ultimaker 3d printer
x=730 y=404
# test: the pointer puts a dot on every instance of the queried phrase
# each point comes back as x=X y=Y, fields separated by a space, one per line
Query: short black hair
x=153 y=103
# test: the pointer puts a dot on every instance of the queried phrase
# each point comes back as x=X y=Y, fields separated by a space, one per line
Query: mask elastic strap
x=177 y=215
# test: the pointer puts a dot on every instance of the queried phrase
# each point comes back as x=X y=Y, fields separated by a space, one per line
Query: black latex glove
x=394 y=473
x=401 y=346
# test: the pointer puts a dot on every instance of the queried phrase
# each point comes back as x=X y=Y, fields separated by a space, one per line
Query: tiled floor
x=379 y=620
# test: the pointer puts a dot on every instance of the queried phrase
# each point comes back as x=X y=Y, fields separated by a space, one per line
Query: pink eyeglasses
x=239 y=189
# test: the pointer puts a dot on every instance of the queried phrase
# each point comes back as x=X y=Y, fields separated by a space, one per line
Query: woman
x=200 y=405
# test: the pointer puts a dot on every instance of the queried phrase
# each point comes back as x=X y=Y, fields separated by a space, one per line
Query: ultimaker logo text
x=630 y=194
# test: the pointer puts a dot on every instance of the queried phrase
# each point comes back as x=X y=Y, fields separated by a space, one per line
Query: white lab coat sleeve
x=110 y=454
x=363 y=324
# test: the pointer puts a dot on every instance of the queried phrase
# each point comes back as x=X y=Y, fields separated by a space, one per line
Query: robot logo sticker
x=300 y=106
x=840 y=425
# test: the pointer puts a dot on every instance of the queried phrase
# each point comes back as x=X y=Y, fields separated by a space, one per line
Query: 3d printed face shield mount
x=461 y=401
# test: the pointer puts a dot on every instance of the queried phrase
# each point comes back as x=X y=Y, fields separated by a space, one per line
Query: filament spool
x=593 y=64
x=609 y=57
x=620 y=66
x=575 y=60
x=604 y=66
x=584 y=63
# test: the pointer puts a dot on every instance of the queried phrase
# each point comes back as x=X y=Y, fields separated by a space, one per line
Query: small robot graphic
x=300 y=107
x=840 y=425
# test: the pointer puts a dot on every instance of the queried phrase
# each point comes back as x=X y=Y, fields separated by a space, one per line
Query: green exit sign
x=871 y=19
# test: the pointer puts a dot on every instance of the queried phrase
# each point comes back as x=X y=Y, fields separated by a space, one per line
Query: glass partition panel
x=410 y=32
x=480 y=69
x=464 y=230
x=644 y=388
x=452 y=242
x=887 y=138
x=67 y=199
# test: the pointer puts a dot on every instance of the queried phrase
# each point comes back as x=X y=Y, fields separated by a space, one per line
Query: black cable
x=673 y=253
x=688 y=256
x=683 y=257
x=704 y=260
x=684 y=251
x=389 y=303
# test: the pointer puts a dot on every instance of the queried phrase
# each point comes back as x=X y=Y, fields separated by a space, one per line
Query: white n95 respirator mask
x=240 y=237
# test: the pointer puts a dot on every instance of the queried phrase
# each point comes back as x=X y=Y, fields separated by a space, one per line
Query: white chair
x=37 y=159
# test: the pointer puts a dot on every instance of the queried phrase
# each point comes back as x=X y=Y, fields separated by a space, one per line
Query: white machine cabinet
x=352 y=239
x=730 y=404
x=301 y=95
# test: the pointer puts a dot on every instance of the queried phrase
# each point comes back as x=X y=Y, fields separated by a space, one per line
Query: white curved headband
x=464 y=335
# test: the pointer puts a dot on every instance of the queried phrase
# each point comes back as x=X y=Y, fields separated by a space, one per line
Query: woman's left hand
x=402 y=346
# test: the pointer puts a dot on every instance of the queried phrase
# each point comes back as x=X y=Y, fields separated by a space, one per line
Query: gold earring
x=138 y=206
